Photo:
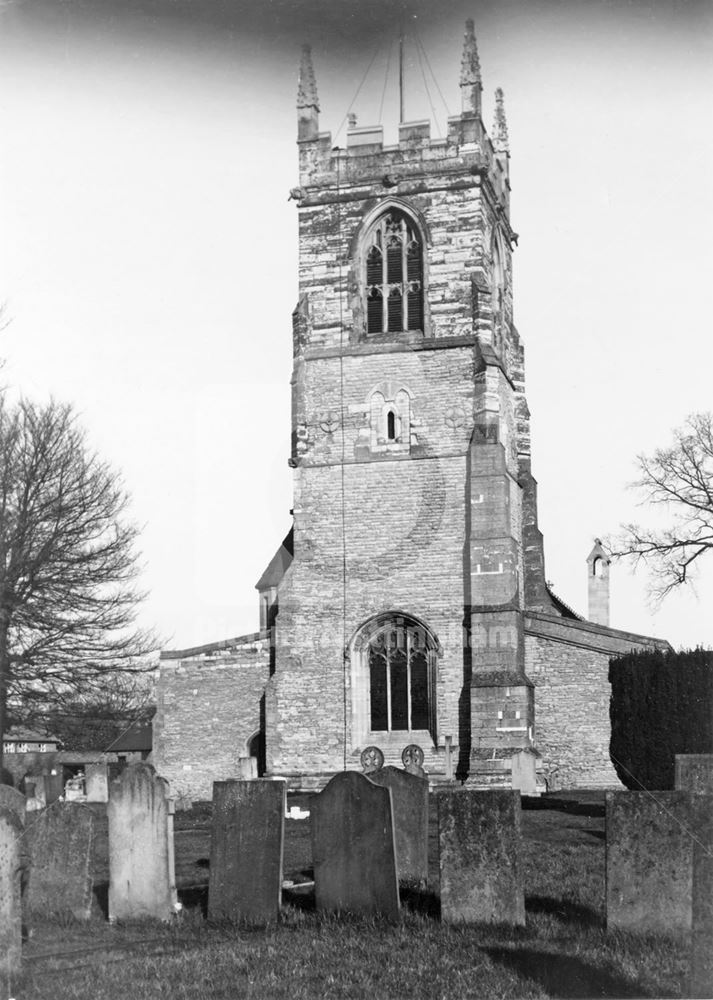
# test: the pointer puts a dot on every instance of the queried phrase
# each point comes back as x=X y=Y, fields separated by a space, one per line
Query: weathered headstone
x=10 y=908
x=36 y=792
x=246 y=848
x=54 y=785
x=649 y=861
x=141 y=877
x=247 y=768
x=694 y=772
x=524 y=778
x=13 y=800
x=96 y=782
x=701 y=985
x=479 y=855
x=409 y=798
x=60 y=845
x=353 y=848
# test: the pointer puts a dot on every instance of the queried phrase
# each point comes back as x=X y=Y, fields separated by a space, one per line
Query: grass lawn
x=563 y=951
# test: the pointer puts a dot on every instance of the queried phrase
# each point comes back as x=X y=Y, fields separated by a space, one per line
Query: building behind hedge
x=408 y=604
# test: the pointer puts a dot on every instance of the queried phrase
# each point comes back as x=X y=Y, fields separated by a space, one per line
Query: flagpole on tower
x=401 y=76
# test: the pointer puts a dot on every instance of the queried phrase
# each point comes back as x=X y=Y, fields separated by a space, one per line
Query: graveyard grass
x=563 y=951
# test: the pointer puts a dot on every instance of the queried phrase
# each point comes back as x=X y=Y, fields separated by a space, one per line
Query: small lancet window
x=394 y=275
x=391 y=426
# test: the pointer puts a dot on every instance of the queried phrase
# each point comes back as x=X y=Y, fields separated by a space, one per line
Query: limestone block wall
x=208 y=707
x=405 y=531
x=568 y=662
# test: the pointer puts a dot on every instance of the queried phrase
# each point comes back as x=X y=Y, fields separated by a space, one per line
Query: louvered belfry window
x=394 y=275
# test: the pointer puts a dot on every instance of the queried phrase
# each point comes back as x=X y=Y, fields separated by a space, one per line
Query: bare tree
x=679 y=480
x=68 y=564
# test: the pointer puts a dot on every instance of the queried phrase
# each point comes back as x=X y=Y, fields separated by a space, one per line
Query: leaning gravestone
x=649 y=861
x=60 y=845
x=694 y=772
x=141 y=877
x=13 y=800
x=10 y=908
x=353 y=849
x=246 y=848
x=702 y=901
x=96 y=782
x=479 y=847
x=409 y=797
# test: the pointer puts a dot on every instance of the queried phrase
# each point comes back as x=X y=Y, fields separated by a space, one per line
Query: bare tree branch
x=680 y=479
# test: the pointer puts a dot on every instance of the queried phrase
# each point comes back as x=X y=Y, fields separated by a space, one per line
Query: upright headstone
x=13 y=800
x=60 y=844
x=96 y=782
x=246 y=848
x=10 y=907
x=649 y=861
x=479 y=847
x=141 y=879
x=701 y=985
x=54 y=785
x=36 y=792
x=247 y=768
x=694 y=772
x=409 y=799
x=353 y=849
x=524 y=777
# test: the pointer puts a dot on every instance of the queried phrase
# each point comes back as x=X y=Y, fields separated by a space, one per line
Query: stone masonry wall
x=570 y=671
x=208 y=707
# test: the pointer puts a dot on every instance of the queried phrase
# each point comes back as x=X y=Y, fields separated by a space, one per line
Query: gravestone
x=35 y=791
x=701 y=984
x=247 y=768
x=141 y=876
x=96 y=782
x=10 y=907
x=13 y=800
x=54 y=785
x=409 y=799
x=649 y=860
x=246 y=849
x=479 y=857
x=694 y=772
x=60 y=846
x=353 y=848
x=524 y=777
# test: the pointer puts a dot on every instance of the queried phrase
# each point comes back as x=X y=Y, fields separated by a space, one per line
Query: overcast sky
x=148 y=253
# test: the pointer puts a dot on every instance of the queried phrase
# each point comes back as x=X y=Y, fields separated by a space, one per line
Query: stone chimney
x=598 y=563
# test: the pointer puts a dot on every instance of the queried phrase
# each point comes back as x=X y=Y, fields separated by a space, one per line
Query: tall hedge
x=661 y=704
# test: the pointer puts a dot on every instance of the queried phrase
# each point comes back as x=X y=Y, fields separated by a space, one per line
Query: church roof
x=564 y=609
x=278 y=565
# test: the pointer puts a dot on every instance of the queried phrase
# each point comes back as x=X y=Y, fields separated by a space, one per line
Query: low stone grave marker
x=479 y=856
x=35 y=791
x=353 y=847
x=649 y=861
x=60 y=846
x=247 y=768
x=246 y=848
x=409 y=798
x=141 y=876
x=694 y=772
x=13 y=800
x=96 y=782
x=523 y=774
x=701 y=985
x=10 y=907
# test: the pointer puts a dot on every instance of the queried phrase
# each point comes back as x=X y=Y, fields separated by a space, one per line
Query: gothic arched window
x=394 y=275
x=401 y=665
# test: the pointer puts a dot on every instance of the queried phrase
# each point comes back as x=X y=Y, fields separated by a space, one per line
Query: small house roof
x=21 y=734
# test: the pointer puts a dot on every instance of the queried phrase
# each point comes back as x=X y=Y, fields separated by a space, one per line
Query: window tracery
x=394 y=275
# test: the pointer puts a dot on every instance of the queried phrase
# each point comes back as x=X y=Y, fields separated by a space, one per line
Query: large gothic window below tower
x=394 y=671
x=394 y=275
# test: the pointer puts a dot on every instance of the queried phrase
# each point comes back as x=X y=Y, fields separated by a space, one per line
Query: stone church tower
x=408 y=605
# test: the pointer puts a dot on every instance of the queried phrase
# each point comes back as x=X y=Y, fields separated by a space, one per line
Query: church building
x=406 y=616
